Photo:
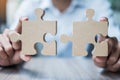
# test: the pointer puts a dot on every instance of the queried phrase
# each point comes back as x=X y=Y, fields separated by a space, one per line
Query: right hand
x=10 y=51
x=112 y=61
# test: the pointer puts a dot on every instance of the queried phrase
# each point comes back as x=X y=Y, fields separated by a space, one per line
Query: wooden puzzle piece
x=85 y=32
x=35 y=31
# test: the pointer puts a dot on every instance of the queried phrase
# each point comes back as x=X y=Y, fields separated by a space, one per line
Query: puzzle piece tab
x=35 y=31
x=85 y=32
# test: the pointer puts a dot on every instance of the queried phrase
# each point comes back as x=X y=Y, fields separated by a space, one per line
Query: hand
x=10 y=51
x=112 y=61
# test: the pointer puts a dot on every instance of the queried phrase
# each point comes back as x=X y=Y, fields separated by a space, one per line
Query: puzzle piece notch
x=84 y=33
x=34 y=32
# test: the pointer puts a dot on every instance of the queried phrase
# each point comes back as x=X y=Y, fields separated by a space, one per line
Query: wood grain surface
x=57 y=68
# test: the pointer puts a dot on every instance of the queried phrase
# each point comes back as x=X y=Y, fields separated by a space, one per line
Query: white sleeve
x=26 y=9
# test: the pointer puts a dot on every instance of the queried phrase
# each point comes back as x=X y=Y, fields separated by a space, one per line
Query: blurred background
x=7 y=10
x=9 y=7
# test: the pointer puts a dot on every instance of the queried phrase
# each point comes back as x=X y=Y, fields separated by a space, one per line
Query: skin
x=10 y=51
x=112 y=61
x=62 y=5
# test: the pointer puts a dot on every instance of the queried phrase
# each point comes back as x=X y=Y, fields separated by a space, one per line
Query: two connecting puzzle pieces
x=83 y=33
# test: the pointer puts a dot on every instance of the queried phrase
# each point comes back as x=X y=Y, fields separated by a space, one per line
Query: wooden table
x=55 y=68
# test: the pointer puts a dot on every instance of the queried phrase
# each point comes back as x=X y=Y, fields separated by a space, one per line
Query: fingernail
x=103 y=19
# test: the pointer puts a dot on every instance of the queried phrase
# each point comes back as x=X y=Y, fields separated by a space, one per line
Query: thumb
x=25 y=57
x=99 y=37
x=19 y=25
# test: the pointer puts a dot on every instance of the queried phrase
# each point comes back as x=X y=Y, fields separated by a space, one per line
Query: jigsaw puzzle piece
x=39 y=29
x=84 y=33
x=101 y=49
x=34 y=32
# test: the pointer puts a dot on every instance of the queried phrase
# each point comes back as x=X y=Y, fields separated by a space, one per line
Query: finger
x=100 y=61
x=25 y=57
x=99 y=37
x=14 y=45
x=16 y=59
x=17 y=43
x=6 y=45
x=19 y=26
x=104 y=19
x=113 y=51
x=4 y=63
x=3 y=55
x=115 y=67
